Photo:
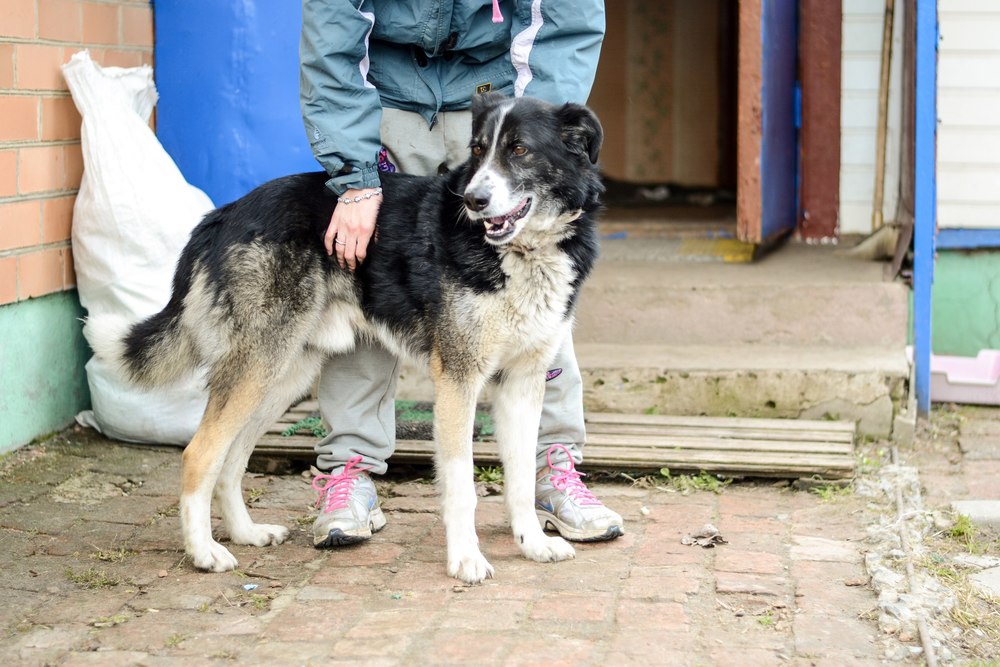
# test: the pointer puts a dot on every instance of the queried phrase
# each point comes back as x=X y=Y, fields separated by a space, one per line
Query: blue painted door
x=228 y=77
x=779 y=136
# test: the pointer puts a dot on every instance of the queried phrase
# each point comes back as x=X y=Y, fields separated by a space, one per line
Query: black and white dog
x=476 y=271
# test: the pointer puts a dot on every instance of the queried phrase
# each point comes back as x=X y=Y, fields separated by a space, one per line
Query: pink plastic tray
x=966 y=379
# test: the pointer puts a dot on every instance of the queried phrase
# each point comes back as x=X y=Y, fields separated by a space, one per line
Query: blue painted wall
x=228 y=78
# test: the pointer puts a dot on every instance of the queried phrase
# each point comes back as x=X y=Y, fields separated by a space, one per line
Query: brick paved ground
x=959 y=456
x=91 y=573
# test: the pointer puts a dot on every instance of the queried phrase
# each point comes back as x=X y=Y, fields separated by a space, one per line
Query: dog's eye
x=477 y=150
x=519 y=150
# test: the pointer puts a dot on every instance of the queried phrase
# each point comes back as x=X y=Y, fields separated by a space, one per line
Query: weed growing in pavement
x=703 y=481
x=963 y=529
x=873 y=458
x=255 y=494
x=940 y=567
x=831 y=492
x=174 y=640
x=683 y=484
x=488 y=474
x=223 y=655
x=766 y=619
x=260 y=602
x=26 y=625
x=972 y=538
x=870 y=614
x=173 y=510
x=109 y=621
x=93 y=578
x=975 y=613
x=247 y=599
x=256 y=601
x=114 y=555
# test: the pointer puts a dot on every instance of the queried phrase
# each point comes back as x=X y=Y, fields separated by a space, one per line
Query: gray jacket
x=429 y=56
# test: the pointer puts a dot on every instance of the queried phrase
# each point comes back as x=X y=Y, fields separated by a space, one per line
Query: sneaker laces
x=568 y=479
x=337 y=488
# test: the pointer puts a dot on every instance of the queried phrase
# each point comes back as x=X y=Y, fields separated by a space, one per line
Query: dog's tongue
x=501 y=224
x=498 y=226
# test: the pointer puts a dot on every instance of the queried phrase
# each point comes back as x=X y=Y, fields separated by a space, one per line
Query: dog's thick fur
x=476 y=271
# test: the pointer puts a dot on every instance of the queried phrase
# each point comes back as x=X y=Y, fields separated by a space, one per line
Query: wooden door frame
x=820 y=27
x=749 y=115
x=819 y=58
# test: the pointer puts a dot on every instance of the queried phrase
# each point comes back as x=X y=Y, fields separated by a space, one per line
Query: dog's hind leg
x=454 y=412
x=517 y=406
x=229 y=488
x=225 y=416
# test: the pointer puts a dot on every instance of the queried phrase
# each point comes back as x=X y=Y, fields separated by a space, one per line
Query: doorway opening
x=666 y=93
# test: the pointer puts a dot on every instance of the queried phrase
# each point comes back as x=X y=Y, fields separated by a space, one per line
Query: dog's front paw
x=472 y=568
x=260 y=535
x=547 y=549
x=212 y=557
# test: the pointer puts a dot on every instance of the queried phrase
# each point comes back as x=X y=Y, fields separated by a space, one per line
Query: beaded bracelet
x=354 y=200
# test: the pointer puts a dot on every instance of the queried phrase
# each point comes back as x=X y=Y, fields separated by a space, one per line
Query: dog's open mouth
x=500 y=226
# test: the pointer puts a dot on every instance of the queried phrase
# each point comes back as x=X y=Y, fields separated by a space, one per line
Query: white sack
x=132 y=217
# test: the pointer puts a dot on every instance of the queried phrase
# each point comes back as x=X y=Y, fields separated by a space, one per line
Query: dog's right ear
x=483 y=102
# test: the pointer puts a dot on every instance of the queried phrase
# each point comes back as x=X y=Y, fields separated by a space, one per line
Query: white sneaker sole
x=549 y=521
x=338 y=538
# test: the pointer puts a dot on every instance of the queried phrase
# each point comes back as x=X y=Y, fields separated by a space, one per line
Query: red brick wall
x=40 y=160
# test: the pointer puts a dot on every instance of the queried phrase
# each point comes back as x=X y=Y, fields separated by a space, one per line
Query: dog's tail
x=153 y=352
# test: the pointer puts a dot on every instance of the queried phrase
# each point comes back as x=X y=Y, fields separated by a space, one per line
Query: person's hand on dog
x=351 y=228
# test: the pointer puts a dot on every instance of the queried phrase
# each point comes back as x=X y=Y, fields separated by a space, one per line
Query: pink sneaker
x=564 y=503
x=348 y=507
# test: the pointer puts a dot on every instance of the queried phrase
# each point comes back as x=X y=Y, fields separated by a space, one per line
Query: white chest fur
x=539 y=285
x=527 y=317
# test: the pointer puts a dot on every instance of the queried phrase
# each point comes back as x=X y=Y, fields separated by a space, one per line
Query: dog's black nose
x=476 y=200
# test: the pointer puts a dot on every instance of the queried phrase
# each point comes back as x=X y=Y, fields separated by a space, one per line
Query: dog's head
x=532 y=166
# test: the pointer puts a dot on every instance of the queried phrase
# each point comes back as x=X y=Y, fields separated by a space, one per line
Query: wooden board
x=730 y=446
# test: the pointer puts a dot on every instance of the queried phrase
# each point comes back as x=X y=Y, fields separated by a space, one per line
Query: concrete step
x=801 y=333
x=864 y=385
x=861 y=384
x=801 y=295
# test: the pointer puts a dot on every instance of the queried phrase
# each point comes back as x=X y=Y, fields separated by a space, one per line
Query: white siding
x=862 y=49
x=968 y=157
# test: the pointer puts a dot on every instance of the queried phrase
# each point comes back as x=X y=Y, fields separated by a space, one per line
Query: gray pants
x=357 y=390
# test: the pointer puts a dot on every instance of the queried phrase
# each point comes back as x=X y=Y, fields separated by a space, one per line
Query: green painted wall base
x=966 y=302
x=42 y=355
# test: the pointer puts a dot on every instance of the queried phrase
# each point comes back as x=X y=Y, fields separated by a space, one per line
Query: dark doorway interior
x=666 y=92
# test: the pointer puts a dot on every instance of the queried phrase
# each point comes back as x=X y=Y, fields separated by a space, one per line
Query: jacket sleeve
x=555 y=46
x=340 y=108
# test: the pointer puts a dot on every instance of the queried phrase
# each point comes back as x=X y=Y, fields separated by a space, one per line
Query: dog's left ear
x=581 y=130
